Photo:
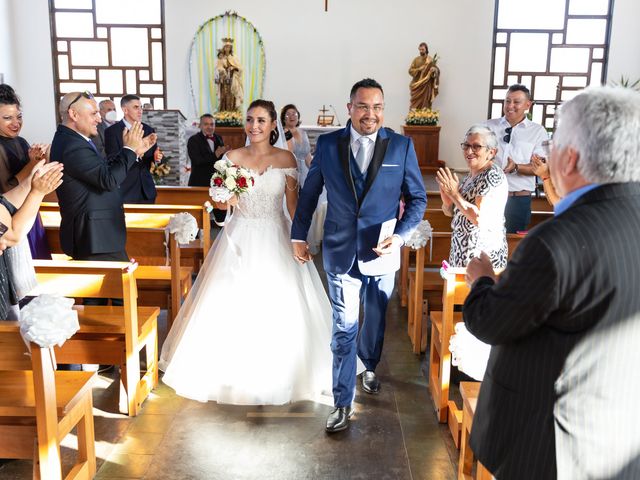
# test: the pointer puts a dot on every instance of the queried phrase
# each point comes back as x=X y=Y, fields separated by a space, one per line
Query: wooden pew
x=39 y=407
x=177 y=195
x=158 y=284
x=539 y=204
x=469 y=392
x=108 y=335
x=154 y=216
x=441 y=223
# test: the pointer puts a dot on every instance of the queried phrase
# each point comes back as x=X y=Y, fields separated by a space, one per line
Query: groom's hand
x=301 y=252
x=388 y=245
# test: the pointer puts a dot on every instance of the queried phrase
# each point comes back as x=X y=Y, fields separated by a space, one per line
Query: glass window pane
x=586 y=31
x=574 y=81
x=132 y=86
x=89 y=53
x=528 y=52
x=569 y=94
x=496 y=110
x=62 y=46
x=110 y=81
x=557 y=38
x=66 y=87
x=74 y=25
x=499 y=93
x=501 y=37
x=102 y=32
x=536 y=113
x=156 y=51
x=545 y=88
x=158 y=103
x=151 y=88
x=498 y=73
x=156 y=33
x=548 y=123
x=143 y=75
x=570 y=60
x=526 y=81
x=547 y=14
x=125 y=12
x=598 y=53
x=84 y=74
x=588 y=7
x=596 y=74
x=84 y=4
x=129 y=47
x=63 y=67
x=511 y=79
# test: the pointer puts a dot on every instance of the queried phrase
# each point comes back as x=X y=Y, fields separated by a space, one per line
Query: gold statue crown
x=227 y=41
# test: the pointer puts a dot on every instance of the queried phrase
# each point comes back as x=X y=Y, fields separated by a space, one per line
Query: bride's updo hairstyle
x=271 y=108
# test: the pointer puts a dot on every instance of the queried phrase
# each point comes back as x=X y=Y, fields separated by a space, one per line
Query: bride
x=256 y=326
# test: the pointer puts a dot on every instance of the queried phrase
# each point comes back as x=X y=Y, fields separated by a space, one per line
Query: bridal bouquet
x=229 y=179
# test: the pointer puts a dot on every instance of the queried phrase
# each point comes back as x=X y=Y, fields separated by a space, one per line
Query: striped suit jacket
x=572 y=275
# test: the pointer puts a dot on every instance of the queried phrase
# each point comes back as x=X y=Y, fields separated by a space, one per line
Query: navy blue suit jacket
x=138 y=187
x=352 y=227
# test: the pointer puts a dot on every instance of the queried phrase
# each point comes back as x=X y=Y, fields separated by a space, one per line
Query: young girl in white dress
x=256 y=326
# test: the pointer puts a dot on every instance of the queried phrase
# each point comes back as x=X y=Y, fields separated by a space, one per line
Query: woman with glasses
x=18 y=156
x=298 y=143
x=477 y=204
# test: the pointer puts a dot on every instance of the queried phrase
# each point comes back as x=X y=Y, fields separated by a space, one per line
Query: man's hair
x=519 y=88
x=487 y=134
x=104 y=102
x=364 y=83
x=207 y=115
x=128 y=98
x=603 y=125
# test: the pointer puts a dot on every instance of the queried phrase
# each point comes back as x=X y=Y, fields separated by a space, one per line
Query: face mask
x=111 y=117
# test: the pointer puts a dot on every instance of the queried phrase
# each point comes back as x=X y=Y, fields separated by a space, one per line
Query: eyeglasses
x=475 y=148
x=291 y=115
x=86 y=94
x=362 y=108
x=507 y=137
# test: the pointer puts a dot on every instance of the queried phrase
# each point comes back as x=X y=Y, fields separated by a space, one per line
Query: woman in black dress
x=19 y=156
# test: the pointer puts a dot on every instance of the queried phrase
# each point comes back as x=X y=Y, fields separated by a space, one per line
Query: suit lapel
x=379 y=151
x=344 y=150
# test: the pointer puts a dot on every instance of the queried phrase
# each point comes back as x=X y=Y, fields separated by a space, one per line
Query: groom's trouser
x=345 y=292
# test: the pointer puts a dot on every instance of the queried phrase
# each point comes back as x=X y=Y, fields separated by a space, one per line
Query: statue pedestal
x=233 y=137
x=426 y=140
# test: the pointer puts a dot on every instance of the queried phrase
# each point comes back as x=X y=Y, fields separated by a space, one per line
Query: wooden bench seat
x=39 y=407
x=108 y=335
x=469 y=392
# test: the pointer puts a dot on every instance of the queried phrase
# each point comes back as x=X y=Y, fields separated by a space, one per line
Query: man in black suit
x=204 y=148
x=138 y=187
x=92 y=223
x=570 y=276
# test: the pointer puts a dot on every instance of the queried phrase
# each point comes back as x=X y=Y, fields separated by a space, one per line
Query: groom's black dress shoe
x=338 y=420
x=370 y=382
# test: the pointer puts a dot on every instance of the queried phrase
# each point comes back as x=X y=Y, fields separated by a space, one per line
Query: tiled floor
x=394 y=435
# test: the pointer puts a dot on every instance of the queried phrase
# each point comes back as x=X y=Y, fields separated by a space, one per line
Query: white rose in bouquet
x=230 y=183
x=220 y=165
x=231 y=172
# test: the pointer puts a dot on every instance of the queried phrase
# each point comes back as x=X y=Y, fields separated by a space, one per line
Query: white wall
x=314 y=57
x=7 y=66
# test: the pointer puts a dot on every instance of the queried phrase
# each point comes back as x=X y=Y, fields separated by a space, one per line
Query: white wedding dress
x=256 y=326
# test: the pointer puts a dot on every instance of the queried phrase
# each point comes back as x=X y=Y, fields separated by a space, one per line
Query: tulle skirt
x=256 y=326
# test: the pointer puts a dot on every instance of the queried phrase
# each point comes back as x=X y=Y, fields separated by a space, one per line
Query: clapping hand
x=511 y=166
x=540 y=168
x=132 y=138
x=479 y=267
x=157 y=155
x=301 y=252
x=39 y=151
x=447 y=182
x=47 y=177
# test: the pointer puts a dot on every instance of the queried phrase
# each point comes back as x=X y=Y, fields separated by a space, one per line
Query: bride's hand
x=233 y=201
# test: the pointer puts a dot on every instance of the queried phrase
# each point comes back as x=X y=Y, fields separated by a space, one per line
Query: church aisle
x=394 y=435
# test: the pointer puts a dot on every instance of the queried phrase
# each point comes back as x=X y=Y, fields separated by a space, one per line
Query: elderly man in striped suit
x=564 y=318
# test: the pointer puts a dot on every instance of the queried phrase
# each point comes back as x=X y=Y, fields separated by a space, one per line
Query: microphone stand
x=336 y=114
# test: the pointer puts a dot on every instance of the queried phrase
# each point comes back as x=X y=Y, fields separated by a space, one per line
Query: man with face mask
x=109 y=117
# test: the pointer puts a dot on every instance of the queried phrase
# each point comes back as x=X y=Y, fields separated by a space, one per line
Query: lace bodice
x=265 y=200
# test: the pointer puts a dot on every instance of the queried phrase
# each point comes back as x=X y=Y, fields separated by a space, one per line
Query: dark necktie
x=93 y=145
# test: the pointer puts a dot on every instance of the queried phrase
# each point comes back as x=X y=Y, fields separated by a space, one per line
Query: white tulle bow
x=48 y=320
x=421 y=235
x=468 y=353
x=220 y=194
x=184 y=226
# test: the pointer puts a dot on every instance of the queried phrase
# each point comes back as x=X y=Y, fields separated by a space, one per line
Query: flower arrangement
x=160 y=170
x=229 y=179
x=228 y=119
x=422 y=116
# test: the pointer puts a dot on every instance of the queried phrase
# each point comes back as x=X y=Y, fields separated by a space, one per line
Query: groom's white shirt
x=368 y=146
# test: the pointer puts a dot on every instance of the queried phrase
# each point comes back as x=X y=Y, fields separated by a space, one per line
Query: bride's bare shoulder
x=237 y=155
x=284 y=159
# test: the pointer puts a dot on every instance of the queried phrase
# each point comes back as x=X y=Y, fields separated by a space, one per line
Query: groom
x=366 y=169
